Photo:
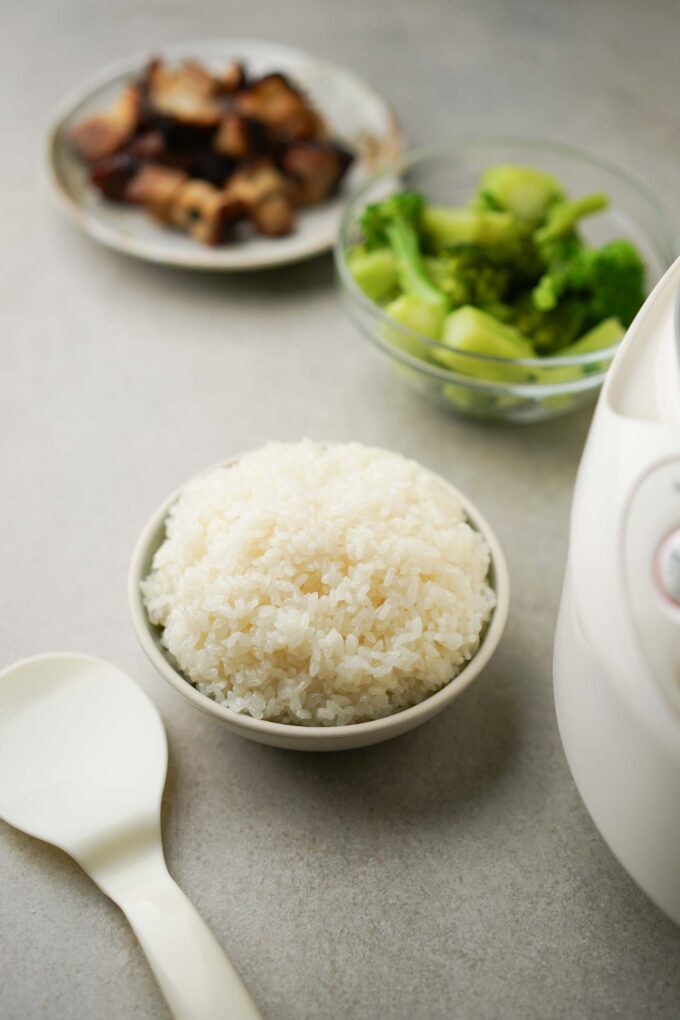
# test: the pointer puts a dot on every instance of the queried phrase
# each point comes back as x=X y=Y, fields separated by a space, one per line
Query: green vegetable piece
x=470 y=330
x=396 y=222
x=445 y=225
x=609 y=280
x=525 y=192
x=417 y=315
x=375 y=272
x=552 y=328
x=468 y=275
x=563 y=216
x=606 y=334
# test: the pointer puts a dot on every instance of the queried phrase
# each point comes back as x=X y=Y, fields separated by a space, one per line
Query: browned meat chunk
x=147 y=145
x=265 y=195
x=273 y=215
x=240 y=137
x=231 y=79
x=186 y=93
x=156 y=188
x=280 y=106
x=316 y=169
x=204 y=211
x=112 y=174
x=105 y=133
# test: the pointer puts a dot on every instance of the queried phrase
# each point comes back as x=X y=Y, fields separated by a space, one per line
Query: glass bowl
x=521 y=390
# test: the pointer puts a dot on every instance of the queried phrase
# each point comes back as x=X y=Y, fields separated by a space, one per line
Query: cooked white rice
x=319 y=585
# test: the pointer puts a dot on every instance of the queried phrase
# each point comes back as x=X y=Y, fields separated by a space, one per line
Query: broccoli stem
x=472 y=331
x=563 y=216
x=447 y=225
x=605 y=334
x=411 y=270
x=417 y=315
x=375 y=272
x=524 y=191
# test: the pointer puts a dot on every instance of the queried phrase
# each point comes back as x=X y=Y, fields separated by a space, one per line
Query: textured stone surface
x=453 y=873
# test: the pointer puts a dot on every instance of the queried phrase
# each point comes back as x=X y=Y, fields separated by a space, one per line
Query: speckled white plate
x=356 y=113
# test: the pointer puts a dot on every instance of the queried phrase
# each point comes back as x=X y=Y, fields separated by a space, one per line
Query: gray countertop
x=452 y=873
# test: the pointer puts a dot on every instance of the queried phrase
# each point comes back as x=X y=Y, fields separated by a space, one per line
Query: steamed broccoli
x=468 y=276
x=375 y=272
x=562 y=217
x=507 y=276
x=610 y=280
x=395 y=222
x=553 y=328
x=418 y=316
x=443 y=226
x=604 y=335
x=525 y=192
x=472 y=331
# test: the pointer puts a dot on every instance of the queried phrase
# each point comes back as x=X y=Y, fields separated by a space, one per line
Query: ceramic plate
x=356 y=113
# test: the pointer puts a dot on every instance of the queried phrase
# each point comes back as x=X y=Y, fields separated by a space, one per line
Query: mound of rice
x=319 y=585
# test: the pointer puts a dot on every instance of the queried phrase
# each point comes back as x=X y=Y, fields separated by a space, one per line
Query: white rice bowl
x=319 y=585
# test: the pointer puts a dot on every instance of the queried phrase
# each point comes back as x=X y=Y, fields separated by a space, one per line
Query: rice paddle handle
x=192 y=969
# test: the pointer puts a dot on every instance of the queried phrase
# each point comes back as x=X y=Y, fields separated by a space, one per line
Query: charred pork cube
x=280 y=106
x=204 y=211
x=316 y=168
x=265 y=195
x=186 y=94
x=231 y=79
x=147 y=145
x=104 y=133
x=112 y=174
x=156 y=187
x=210 y=166
x=273 y=215
x=240 y=137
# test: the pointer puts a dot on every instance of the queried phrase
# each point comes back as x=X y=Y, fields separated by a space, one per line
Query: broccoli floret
x=524 y=191
x=563 y=216
x=551 y=329
x=468 y=276
x=395 y=222
x=557 y=253
x=609 y=279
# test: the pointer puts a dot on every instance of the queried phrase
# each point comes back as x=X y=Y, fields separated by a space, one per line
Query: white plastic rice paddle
x=83 y=759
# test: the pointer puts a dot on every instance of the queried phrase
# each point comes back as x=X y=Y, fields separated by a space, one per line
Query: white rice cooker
x=617 y=647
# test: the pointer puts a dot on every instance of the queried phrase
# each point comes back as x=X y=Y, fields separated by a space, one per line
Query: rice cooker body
x=617 y=645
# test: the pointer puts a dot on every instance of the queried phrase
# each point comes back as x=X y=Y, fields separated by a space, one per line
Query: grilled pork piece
x=316 y=168
x=156 y=188
x=275 y=102
x=187 y=93
x=105 y=133
x=265 y=195
x=231 y=79
x=112 y=174
x=147 y=145
x=204 y=211
x=240 y=137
